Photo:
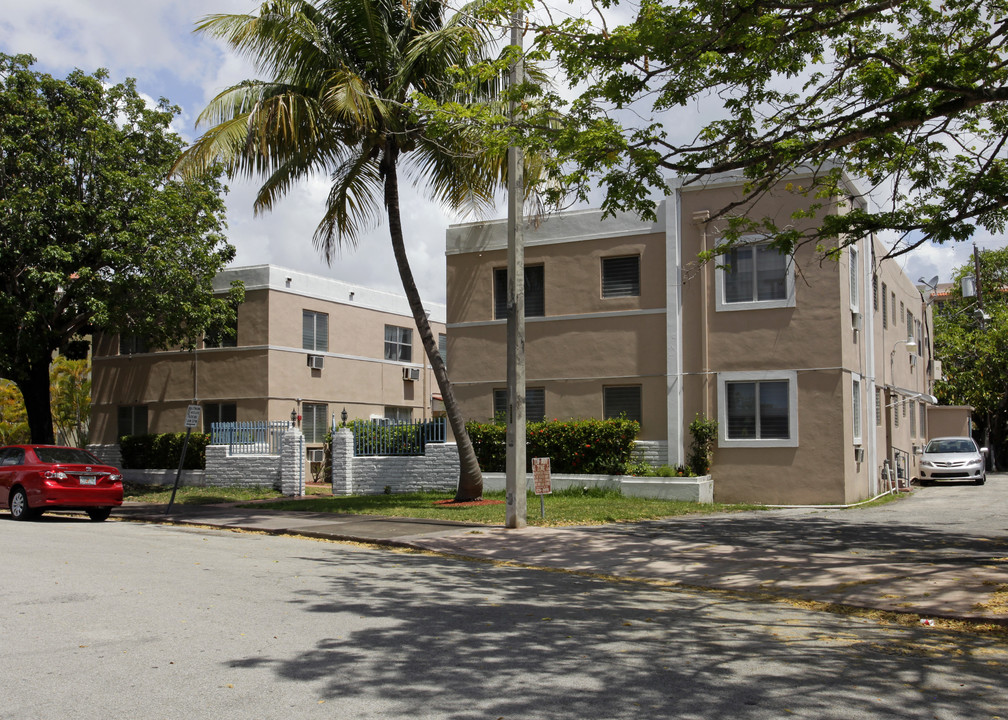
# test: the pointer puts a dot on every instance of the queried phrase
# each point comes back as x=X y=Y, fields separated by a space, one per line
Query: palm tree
x=339 y=99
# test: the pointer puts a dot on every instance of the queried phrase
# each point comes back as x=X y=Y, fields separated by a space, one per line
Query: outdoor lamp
x=293 y=416
x=343 y=416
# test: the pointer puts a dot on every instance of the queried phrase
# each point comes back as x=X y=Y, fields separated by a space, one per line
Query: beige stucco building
x=818 y=371
x=303 y=343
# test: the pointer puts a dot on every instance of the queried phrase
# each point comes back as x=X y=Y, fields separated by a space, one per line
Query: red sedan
x=36 y=478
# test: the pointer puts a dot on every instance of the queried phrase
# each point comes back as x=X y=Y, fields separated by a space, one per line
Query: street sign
x=192 y=416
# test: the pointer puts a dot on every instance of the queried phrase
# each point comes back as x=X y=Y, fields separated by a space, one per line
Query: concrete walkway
x=914 y=556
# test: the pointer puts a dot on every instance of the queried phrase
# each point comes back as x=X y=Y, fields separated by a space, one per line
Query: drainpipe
x=700 y=219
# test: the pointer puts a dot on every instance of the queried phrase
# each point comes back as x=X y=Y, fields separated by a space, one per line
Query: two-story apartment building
x=805 y=363
x=303 y=343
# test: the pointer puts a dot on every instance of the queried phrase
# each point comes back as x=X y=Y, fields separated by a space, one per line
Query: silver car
x=952 y=458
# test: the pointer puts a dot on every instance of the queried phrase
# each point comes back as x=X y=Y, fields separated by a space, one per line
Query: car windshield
x=953 y=445
x=66 y=455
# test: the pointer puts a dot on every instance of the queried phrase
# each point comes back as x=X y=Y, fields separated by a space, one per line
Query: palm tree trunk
x=470 y=482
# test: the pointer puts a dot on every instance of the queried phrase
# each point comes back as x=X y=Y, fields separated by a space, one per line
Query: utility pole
x=515 y=477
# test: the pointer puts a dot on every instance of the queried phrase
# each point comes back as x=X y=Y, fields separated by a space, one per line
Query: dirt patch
x=468 y=503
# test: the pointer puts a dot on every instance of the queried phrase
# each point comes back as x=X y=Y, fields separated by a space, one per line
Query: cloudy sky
x=152 y=41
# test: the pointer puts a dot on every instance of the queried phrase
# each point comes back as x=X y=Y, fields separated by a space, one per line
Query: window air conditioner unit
x=858 y=454
x=411 y=374
x=856 y=320
x=316 y=362
x=316 y=455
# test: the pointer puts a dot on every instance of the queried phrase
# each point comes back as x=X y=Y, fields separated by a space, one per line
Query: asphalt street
x=143 y=620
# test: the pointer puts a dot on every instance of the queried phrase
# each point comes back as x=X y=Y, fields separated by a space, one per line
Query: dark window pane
x=774 y=422
x=621 y=276
x=741 y=409
x=738 y=275
x=535 y=404
x=771 y=273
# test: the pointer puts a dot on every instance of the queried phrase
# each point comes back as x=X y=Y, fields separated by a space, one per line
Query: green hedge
x=603 y=447
x=162 y=451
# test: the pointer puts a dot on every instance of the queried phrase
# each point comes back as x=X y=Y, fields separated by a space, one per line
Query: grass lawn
x=568 y=507
x=188 y=495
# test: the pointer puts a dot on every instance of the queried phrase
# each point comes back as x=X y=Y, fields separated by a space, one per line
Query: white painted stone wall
x=438 y=469
x=226 y=470
x=654 y=452
x=293 y=463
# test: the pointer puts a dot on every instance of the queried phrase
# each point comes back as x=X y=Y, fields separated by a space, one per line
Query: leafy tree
x=974 y=354
x=339 y=98
x=13 y=418
x=70 y=390
x=907 y=94
x=92 y=235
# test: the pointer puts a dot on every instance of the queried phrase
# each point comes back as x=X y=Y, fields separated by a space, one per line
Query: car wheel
x=99 y=514
x=19 y=505
x=980 y=480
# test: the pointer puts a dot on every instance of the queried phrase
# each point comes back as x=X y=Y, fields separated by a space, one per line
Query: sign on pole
x=542 y=481
x=192 y=416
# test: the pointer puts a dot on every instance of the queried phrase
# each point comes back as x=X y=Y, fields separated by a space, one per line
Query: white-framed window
x=855 y=299
x=314 y=331
x=442 y=347
x=758 y=409
x=398 y=343
x=856 y=407
x=913 y=419
x=753 y=276
x=314 y=421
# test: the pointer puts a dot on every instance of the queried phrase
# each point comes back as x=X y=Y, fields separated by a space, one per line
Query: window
x=885 y=306
x=920 y=338
x=622 y=401
x=856 y=407
x=895 y=413
x=922 y=416
x=398 y=414
x=913 y=419
x=535 y=292
x=398 y=343
x=218 y=413
x=442 y=347
x=878 y=407
x=854 y=297
x=621 y=276
x=535 y=404
x=132 y=420
x=131 y=344
x=314 y=418
x=911 y=325
x=874 y=292
x=315 y=331
x=754 y=276
x=758 y=409
x=12 y=456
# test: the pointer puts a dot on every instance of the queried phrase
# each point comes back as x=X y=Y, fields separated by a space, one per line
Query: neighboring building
x=303 y=343
x=805 y=364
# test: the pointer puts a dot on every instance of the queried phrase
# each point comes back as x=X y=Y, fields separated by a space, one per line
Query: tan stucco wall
x=949 y=420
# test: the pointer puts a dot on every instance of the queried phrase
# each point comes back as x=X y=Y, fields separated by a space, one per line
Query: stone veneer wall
x=654 y=452
x=226 y=470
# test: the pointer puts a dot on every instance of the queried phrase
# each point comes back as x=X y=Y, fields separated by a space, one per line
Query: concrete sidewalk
x=857 y=560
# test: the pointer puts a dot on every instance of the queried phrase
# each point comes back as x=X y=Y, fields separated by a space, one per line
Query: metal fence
x=264 y=437
x=392 y=437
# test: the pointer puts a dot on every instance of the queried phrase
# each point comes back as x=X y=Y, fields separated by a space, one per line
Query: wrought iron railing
x=263 y=437
x=393 y=437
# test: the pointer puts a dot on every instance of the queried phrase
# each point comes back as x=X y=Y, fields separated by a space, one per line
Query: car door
x=10 y=458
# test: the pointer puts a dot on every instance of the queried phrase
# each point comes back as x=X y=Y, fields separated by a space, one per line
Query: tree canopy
x=92 y=234
x=974 y=353
x=906 y=95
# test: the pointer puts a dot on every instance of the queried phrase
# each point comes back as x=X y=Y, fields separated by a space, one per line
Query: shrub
x=162 y=451
x=574 y=446
x=704 y=432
